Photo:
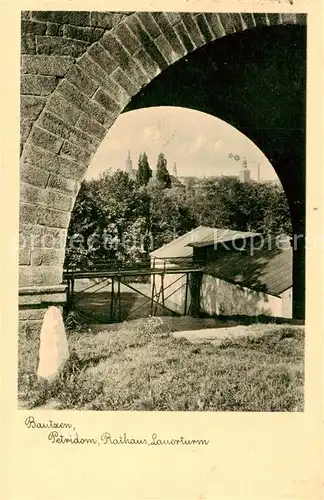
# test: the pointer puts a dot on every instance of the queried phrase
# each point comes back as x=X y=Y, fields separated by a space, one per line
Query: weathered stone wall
x=78 y=72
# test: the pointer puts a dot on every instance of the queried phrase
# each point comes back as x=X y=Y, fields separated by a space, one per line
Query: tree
x=162 y=173
x=144 y=172
x=114 y=218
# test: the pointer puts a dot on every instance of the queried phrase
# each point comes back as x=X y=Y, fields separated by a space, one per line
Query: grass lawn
x=146 y=368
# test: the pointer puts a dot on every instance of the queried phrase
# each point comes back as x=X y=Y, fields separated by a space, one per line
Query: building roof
x=200 y=236
x=268 y=269
x=221 y=236
x=178 y=248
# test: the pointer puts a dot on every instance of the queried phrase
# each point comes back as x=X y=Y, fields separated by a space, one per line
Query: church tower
x=129 y=164
x=245 y=173
x=175 y=171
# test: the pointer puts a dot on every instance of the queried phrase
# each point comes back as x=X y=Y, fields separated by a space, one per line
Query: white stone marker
x=54 y=349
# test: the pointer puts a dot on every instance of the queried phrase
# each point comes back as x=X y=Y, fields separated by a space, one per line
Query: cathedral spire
x=129 y=163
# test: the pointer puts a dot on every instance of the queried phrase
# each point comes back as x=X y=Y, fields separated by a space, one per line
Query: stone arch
x=79 y=72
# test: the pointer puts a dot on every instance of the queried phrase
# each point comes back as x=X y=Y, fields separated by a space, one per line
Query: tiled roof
x=178 y=247
x=268 y=269
x=222 y=235
x=198 y=237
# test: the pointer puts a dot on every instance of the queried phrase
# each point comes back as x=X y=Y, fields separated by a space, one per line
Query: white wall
x=171 y=284
x=220 y=297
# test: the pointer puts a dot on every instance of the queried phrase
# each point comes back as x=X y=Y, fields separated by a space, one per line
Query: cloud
x=151 y=133
x=216 y=147
x=199 y=143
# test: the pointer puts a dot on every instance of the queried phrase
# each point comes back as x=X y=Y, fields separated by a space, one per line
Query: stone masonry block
x=147 y=63
x=45 y=140
x=238 y=21
x=37 y=85
x=46 y=65
x=47 y=257
x=130 y=66
x=53 y=163
x=25 y=14
x=301 y=19
x=31 y=107
x=174 y=17
x=28 y=44
x=37 y=236
x=35 y=27
x=76 y=18
x=58 y=298
x=93 y=69
x=165 y=49
x=53 y=29
x=63 y=109
x=55 y=45
x=274 y=19
x=34 y=175
x=215 y=24
x=126 y=37
x=25 y=128
x=47 y=275
x=76 y=153
x=148 y=21
x=85 y=34
x=119 y=77
x=53 y=218
x=80 y=101
x=92 y=127
x=43 y=275
x=204 y=28
x=117 y=93
x=146 y=41
x=105 y=60
x=106 y=101
x=192 y=28
x=39 y=297
x=81 y=80
x=62 y=184
x=57 y=126
x=260 y=19
x=29 y=214
x=106 y=20
x=31 y=314
x=25 y=300
x=42 y=15
x=248 y=20
x=183 y=35
x=228 y=23
x=288 y=18
x=98 y=74
x=48 y=197
x=24 y=256
x=26 y=276
x=169 y=33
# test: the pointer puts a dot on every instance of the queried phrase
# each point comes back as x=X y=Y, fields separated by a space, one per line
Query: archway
x=79 y=72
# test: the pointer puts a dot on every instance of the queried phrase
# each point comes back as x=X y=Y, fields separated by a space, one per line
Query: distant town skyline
x=200 y=144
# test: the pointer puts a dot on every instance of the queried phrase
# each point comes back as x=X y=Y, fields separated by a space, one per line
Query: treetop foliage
x=132 y=217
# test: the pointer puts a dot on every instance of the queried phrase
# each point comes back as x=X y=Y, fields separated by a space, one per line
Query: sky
x=199 y=143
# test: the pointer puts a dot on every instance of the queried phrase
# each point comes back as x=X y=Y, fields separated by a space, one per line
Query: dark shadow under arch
x=256 y=82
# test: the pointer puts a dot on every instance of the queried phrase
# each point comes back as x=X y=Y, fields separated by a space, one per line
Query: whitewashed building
x=243 y=273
